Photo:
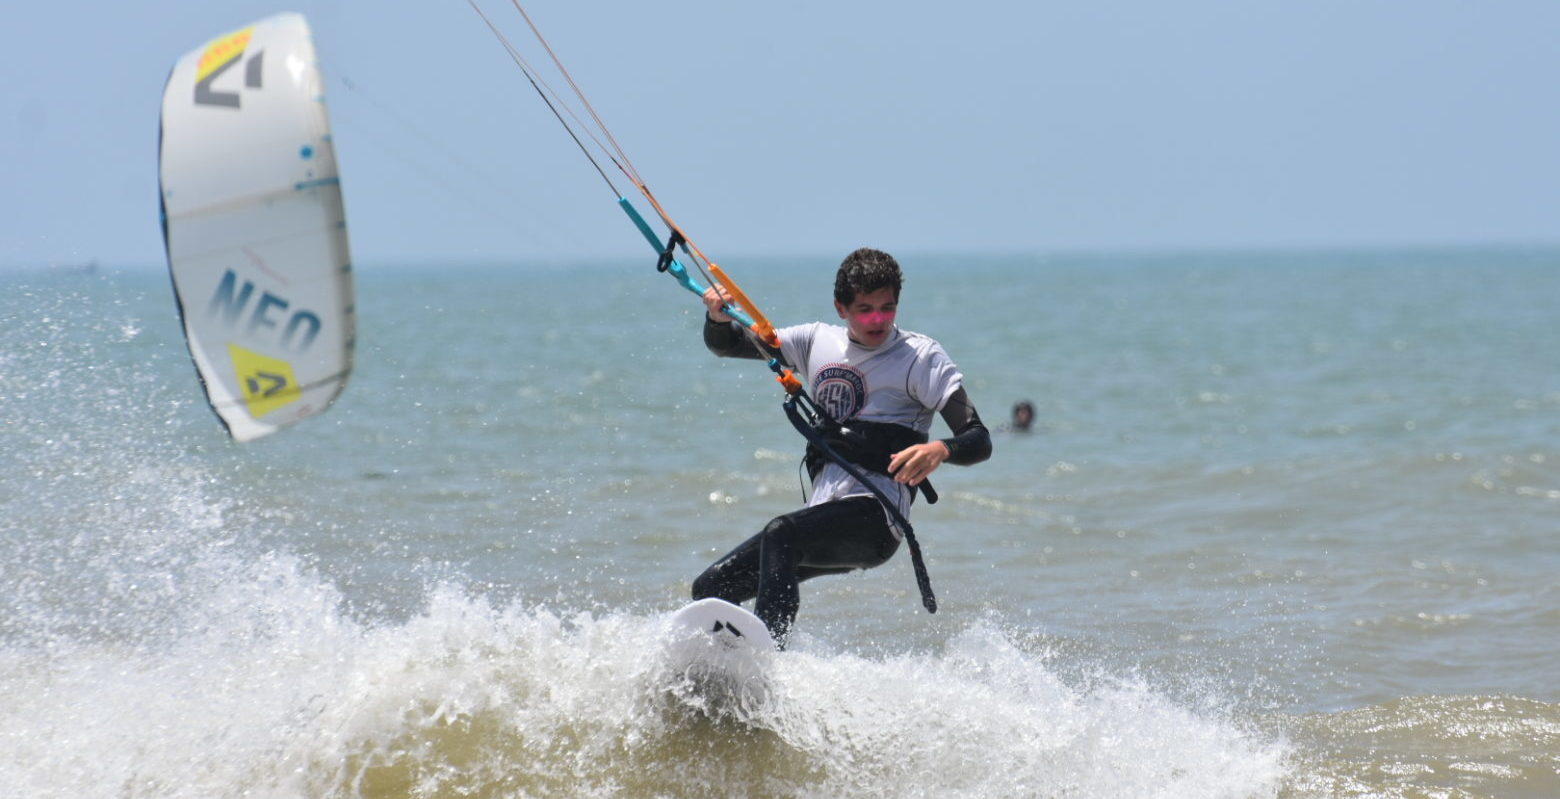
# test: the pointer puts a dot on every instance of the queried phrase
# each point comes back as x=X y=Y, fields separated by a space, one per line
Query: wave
x=272 y=689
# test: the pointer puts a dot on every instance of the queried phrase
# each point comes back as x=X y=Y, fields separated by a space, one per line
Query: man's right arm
x=727 y=340
x=722 y=335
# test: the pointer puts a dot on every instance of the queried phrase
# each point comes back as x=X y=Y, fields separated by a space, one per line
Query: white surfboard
x=254 y=226
x=731 y=625
x=720 y=654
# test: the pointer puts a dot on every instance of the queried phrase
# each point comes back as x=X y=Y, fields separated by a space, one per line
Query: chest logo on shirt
x=841 y=390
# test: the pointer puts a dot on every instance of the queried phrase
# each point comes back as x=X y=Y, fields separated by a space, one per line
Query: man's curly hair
x=865 y=271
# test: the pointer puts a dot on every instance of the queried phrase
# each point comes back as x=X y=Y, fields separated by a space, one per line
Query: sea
x=1285 y=525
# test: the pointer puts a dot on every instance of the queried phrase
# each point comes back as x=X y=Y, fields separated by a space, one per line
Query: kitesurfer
x=882 y=385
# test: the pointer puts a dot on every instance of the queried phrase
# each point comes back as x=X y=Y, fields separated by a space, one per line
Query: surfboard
x=730 y=625
x=253 y=223
x=719 y=655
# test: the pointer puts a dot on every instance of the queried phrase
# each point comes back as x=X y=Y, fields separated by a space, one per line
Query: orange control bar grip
x=761 y=325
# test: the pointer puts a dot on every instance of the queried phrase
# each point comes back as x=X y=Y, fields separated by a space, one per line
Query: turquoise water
x=1284 y=527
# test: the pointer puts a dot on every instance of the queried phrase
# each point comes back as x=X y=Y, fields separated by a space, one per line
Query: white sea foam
x=275 y=692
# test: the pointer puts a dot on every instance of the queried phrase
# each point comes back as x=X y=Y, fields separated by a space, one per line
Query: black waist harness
x=817 y=428
x=868 y=445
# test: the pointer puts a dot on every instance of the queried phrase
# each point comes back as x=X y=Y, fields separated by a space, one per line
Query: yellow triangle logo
x=221 y=51
x=265 y=382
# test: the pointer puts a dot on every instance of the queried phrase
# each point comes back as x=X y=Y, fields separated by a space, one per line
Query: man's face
x=870 y=317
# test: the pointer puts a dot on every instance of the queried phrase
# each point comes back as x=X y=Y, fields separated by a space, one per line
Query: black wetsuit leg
x=831 y=538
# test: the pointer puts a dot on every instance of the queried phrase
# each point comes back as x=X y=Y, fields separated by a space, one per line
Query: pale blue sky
x=816 y=126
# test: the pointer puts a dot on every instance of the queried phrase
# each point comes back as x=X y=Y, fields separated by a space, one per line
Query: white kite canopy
x=254 y=226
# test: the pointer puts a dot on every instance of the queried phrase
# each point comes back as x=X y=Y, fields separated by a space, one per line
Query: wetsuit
x=890 y=394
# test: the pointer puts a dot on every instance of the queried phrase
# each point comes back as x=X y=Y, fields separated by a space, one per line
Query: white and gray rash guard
x=903 y=382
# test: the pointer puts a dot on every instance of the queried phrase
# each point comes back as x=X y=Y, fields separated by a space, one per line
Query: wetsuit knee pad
x=777 y=526
x=781 y=531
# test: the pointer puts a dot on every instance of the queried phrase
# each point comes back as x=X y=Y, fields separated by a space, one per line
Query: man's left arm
x=971 y=441
x=970 y=444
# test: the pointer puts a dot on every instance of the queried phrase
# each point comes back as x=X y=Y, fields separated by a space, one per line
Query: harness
x=865 y=444
x=816 y=426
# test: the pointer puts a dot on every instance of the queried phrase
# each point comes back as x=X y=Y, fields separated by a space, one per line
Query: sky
x=817 y=126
